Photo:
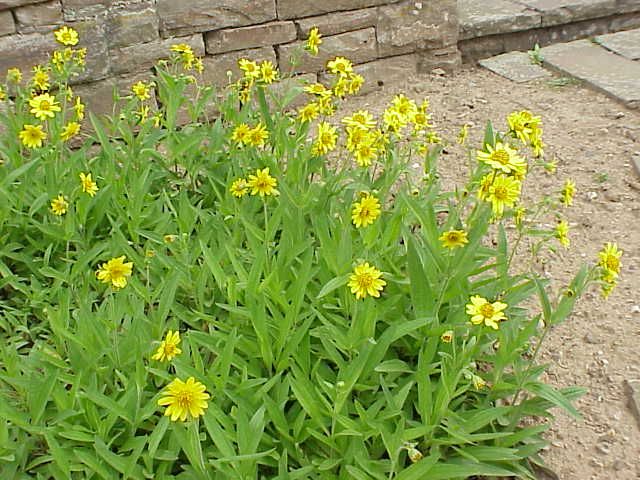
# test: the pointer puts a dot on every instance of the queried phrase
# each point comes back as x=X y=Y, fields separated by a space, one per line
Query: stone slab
x=408 y=27
x=143 y=56
x=289 y=9
x=393 y=70
x=31 y=17
x=479 y=18
x=359 y=46
x=182 y=17
x=612 y=74
x=339 y=22
x=634 y=388
x=7 y=25
x=254 y=36
x=6 y=4
x=217 y=66
x=626 y=43
x=515 y=66
x=557 y=12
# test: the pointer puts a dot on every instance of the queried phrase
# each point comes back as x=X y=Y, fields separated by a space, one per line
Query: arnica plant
x=244 y=283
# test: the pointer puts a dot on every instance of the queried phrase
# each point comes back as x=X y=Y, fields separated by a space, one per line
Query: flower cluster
x=610 y=265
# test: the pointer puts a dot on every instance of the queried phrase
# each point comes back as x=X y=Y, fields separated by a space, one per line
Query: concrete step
x=613 y=74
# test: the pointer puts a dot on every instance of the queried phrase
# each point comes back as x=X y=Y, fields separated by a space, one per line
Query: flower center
x=501 y=193
x=365 y=280
x=453 y=236
x=487 y=310
x=185 y=399
x=500 y=156
x=612 y=263
x=45 y=105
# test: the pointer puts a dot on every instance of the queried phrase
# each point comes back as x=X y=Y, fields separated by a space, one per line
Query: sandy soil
x=593 y=139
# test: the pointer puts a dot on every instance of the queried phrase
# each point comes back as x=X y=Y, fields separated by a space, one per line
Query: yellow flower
x=366 y=152
x=607 y=287
x=309 y=112
x=239 y=188
x=340 y=66
x=365 y=281
x=522 y=124
x=40 y=78
x=405 y=107
x=318 y=89
x=610 y=261
x=44 y=106
x=502 y=158
x=567 y=193
x=141 y=90
x=366 y=211
x=562 y=233
x=250 y=69
x=66 y=36
x=187 y=57
x=169 y=347
x=393 y=120
x=453 y=239
x=78 y=107
x=14 y=75
x=169 y=238
x=432 y=138
x=325 y=140
x=326 y=106
x=360 y=119
x=32 y=136
x=184 y=400
x=462 y=135
x=503 y=192
x=257 y=136
x=447 y=337
x=240 y=134
x=519 y=214
x=482 y=311
x=88 y=185
x=59 y=205
x=478 y=382
x=355 y=83
x=268 y=73
x=71 y=129
x=181 y=48
x=3 y=95
x=314 y=40
x=262 y=183
x=115 y=271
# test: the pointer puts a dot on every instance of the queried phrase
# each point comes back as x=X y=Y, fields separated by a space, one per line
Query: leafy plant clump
x=222 y=286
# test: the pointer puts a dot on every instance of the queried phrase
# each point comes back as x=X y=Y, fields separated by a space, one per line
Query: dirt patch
x=593 y=139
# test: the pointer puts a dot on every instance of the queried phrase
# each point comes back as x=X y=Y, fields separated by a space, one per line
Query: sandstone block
x=127 y=27
x=288 y=9
x=608 y=72
x=93 y=36
x=242 y=38
x=288 y=85
x=334 y=23
x=557 y=12
x=404 y=28
x=181 y=17
x=392 y=70
x=139 y=57
x=25 y=51
x=447 y=58
x=359 y=46
x=217 y=66
x=84 y=9
x=626 y=43
x=516 y=66
x=480 y=18
x=7 y=25
x=6 y=4
x=31 y=17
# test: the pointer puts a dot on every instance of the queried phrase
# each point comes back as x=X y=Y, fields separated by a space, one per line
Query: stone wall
x=387 y=39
